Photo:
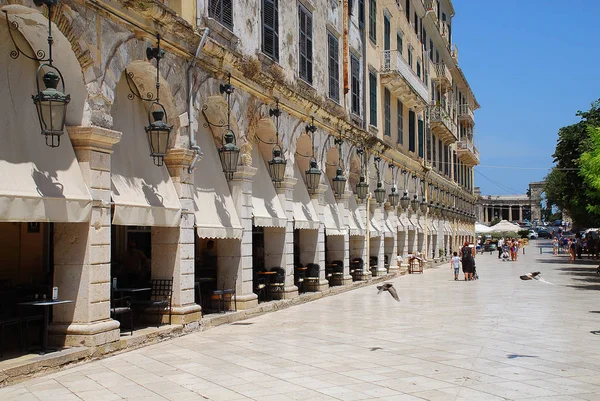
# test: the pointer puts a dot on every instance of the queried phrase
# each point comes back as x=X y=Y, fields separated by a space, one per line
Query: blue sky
x=531 y=64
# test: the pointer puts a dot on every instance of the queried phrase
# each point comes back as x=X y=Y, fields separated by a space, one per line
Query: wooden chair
x=277 y=283
x=122 y=306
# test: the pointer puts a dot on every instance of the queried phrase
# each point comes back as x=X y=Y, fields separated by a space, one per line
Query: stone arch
x=355 y=169
x=30 y=33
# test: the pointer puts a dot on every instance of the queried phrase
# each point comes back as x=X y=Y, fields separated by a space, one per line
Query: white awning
x=38 y=183
x=405 y=223
x=305 y=215
x=143 y=193
x=214 y=210
x=374 y=228
x=388 y=228
x=266 y=207
x=334 y=222
x=355 y=221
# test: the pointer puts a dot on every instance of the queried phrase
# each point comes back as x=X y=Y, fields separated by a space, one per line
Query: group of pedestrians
x=508 y=249
x=467 y=259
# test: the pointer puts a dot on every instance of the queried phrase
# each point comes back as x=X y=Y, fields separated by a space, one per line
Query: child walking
x=455 y=264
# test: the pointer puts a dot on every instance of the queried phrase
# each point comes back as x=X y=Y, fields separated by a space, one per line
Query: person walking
x=467 y=260
x=455 y=264
x=500 y=244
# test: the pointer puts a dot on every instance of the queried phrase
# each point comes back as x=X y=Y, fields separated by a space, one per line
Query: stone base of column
x=247 y=301
x=365 y=275
x=347 y=280
x=393 y=269
x=184 y=315
x=291 y=292
x=312 y=284
x=377 y=271
x=84 y=335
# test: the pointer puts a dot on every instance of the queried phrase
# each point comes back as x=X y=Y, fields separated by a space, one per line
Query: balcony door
x=386 y=33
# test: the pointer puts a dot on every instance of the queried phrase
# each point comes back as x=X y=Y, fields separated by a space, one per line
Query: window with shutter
x=418 y=68
x=387 y=111
x=361 y=14
x=334 y=68
x=400 y=112
x=420 y=137
x=270 y=28
x=222 y=11
x=306 y=60
x=407 y=10
x=411 y=131
x=433 y=151
x=399 y=43
x=372 y=99
x=373 y=20
x=440 y=154
x=410 y=56
x=431 y=50
x=355 y=84
x=386 y=33
x=416 y=24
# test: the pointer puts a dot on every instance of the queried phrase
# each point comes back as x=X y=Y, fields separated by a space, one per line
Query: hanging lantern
x=51 y=105
x=415 y=204
x=423 y=206
x=313 y=176
x=229 y=154
x=339 y=182
x=394 y=197
x=405 y=201
x=277 y=163
x=380 y=193
x=277 y=167
x=158 y=132
x=362 y=188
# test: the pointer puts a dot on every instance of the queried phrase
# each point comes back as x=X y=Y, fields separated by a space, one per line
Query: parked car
x=544 y=234
x=532 y=235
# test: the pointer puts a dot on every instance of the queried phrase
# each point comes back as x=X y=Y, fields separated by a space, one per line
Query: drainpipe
x=193 y=145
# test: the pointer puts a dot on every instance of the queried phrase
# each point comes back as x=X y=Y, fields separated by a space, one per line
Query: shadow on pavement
x=513 y=356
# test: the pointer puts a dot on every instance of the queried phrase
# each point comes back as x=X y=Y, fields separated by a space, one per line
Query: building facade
x=356 y=91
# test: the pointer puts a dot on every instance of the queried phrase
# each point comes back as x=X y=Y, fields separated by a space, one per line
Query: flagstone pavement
x=498 y=338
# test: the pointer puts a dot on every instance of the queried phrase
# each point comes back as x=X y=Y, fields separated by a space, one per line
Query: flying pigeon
x=535 y=276
x=389 y=287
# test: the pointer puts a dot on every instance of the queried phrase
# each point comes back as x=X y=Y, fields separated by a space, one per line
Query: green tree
x=590 y=170
x=565 y=186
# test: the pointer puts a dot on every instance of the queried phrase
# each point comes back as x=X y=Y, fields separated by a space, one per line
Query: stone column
x=342 y=202
x=241 y=192
x=286 y=197
x=82 y=251
x=173 y=248
x=378 y=250
x=362 y=209
x=393 y=255
x=521 y=213
x=317 y=202
x=510 y=216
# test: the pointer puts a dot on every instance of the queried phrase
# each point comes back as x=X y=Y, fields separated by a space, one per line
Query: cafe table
x=46 y=304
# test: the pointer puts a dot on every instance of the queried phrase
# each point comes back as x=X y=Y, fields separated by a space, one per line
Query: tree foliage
x=566 y=186
x=590 y=170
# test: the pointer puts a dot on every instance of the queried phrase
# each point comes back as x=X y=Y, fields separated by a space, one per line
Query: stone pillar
x=317 y=202
x=82 y=251
x=377 y=245
x=510 y=216
x=362 y=209
x=521 y=213
x=342 y=202
x=241 y=192
x=173 y=249
x=286 y=197
x=393 y=251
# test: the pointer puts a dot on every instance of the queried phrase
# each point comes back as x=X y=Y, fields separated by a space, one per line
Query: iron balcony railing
x=441 y=71
x=465 y=110
x=438 y=114
x=468 y=145
x=392 y=61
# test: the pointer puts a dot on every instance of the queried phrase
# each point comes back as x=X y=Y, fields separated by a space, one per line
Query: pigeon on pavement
x=535 y=276
x=389 y=287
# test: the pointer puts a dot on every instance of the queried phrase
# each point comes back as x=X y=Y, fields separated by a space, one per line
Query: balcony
x=402 y=81
x=441 y=124
x=467 y=153
x=454 y=53
x=443 y=77
x=465 y=113
x=445 y=33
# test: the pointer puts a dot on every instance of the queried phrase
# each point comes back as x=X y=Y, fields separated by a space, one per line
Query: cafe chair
x=229 y=293
x=218 y=295
x=122 y=306
x=300 y=274
x=311 y=281
x=161 y=296
x=260 y=288
x=338 y=272
x=356 y=268
x=277 y=284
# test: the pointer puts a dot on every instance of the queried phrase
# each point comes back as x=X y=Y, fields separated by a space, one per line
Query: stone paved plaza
x=493 y=339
